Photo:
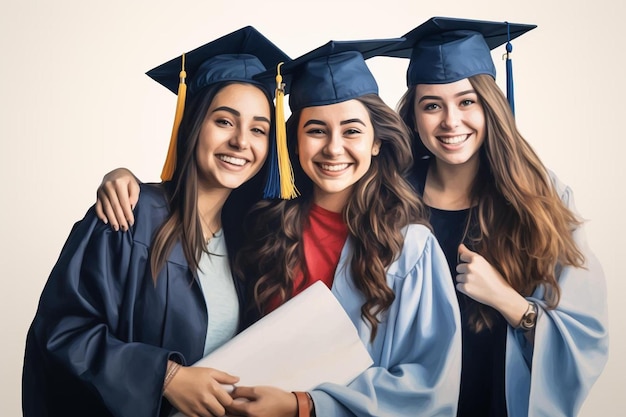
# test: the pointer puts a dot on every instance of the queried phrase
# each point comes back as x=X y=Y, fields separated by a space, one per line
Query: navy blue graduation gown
x=103 y=331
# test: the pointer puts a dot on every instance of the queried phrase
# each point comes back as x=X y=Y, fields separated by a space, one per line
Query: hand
x=479 y=280
x=263 y=402
x=116 y=197
x=196 y=391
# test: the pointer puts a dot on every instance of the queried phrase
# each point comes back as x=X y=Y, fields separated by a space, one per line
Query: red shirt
x=323 y=238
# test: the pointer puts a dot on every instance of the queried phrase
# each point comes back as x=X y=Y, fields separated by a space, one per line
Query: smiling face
x=234 y=137
x=335 y=147
x=450 y=121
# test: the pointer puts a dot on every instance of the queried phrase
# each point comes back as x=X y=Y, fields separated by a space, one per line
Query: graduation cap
x=238 y=56
x=444 y=50
x=333 y=73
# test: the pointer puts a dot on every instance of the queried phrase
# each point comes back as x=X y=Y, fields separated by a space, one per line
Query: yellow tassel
x=288 y=188
x=170 y=160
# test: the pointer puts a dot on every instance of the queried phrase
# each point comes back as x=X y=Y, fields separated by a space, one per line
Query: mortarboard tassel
x=509 y=70
x=272 y=184
x=286 y=179
x=170 y=160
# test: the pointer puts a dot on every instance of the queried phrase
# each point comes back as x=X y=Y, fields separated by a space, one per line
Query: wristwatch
x=529 y=319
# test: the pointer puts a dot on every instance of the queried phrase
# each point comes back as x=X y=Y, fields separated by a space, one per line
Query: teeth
x=232 y=160
x=334 y=167
x=453 y=140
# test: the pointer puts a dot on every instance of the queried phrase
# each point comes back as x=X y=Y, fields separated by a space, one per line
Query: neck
x=210 y=203
x=334 y=202
x=448 y=187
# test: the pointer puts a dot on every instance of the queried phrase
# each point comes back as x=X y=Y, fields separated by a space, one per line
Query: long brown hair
x=523 y=228
x=381 y=203
x=183 y=223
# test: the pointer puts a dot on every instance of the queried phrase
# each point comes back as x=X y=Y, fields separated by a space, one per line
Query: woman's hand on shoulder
x=117 y=195
x=263 y=401
x=199 y=392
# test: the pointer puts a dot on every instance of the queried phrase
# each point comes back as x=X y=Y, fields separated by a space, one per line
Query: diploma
x=307 y=341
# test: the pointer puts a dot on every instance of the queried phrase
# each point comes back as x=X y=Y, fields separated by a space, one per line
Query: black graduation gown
x=103 y=331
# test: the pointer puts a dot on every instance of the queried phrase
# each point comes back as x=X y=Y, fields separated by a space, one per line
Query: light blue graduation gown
x=553 y=377
x=417 y=350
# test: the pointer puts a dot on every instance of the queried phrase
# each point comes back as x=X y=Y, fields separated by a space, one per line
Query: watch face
x=530 y=317
x=528 y=322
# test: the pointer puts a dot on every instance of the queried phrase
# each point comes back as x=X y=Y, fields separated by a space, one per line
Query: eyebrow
x=238 y=114
x=344 y=122
x=459 y=94
x=347 y=122
x=313 y=122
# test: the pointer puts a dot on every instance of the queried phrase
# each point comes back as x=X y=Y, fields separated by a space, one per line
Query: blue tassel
x=272 y=183
x=509 y=71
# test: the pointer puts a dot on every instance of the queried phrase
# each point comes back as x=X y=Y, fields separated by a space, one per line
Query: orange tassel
x=170 y=160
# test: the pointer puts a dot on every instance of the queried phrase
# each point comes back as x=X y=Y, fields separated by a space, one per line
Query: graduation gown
x=103 y=331
x=417 y=350
x=553 y=377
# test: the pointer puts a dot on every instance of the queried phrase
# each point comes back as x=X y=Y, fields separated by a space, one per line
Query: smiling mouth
x=334 y=167
x=453 y=140
x=232 y=160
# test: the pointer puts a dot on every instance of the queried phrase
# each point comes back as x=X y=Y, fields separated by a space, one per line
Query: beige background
x=76 y=103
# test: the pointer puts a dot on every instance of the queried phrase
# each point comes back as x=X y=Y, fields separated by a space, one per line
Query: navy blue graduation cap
x=444 y=50
x=333 y=73
x=238 y=56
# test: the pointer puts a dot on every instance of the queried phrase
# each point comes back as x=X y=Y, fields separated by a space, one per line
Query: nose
x=451 y=118
x=239 y=140
x=334 y=144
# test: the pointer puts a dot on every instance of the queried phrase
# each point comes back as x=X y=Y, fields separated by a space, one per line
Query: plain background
x=76 y=103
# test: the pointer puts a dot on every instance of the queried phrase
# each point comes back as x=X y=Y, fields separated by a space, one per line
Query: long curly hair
x=521 y=227
x=382 y=202
x=183 y=223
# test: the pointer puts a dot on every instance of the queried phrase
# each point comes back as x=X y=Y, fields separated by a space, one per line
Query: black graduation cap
x=444 y=50
x=332 y=73
x=238 y=56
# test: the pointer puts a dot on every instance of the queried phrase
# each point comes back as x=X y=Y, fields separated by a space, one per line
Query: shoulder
x=563 y=191
x=153 y=195
x=417 y=175
x=151 y=211
x=419 y=244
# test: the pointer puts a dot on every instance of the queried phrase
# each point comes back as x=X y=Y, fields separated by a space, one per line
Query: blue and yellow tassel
x=280 y=169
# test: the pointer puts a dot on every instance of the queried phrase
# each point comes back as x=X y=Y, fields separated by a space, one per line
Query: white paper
x=307 y=341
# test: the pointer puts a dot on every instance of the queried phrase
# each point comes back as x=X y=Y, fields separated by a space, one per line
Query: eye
x=259 y=131
x=352 y=131
x=431 y=106
x=223 y=122
x=315 y=131
x=467 y=102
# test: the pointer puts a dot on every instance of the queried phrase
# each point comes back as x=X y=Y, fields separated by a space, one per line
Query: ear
x=376 y=147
